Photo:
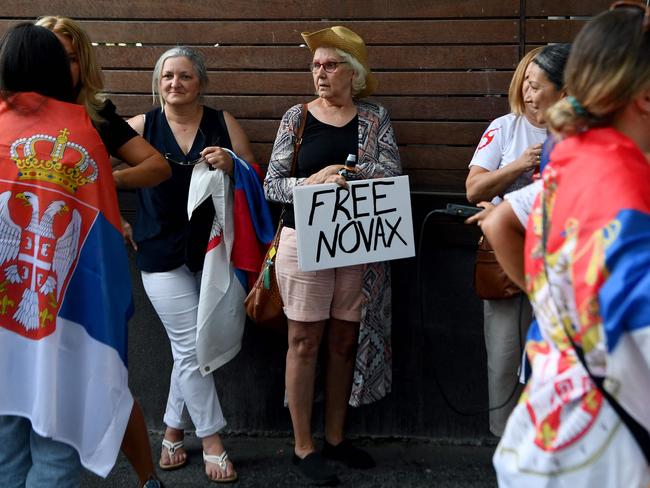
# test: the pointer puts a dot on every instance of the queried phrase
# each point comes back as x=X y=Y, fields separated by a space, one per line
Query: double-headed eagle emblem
x=35 y=259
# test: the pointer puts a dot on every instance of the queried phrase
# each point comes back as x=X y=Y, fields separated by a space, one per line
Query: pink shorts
x=312 y=296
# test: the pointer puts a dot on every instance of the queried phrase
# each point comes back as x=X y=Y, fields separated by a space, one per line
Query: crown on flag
x=41 y=157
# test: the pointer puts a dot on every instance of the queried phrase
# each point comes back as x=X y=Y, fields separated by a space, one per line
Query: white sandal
x=221 y=462
x=172 y=447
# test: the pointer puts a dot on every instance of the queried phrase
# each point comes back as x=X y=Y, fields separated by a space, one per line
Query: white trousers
x=175 y=297
x=505 y=325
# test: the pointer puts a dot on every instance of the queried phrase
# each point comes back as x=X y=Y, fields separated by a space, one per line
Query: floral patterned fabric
x=590 y=280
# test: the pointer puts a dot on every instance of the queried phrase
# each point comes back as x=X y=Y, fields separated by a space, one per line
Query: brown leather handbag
x=490 y=281
x=264 y=303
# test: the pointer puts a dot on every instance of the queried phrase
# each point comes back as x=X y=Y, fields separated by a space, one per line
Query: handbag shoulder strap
x=298 y=143
x=294 y=162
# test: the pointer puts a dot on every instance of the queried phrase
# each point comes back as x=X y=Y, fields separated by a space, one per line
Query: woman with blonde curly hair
x=148 y=167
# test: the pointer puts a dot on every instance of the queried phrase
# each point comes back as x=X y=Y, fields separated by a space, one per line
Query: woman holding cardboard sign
x=349 y=305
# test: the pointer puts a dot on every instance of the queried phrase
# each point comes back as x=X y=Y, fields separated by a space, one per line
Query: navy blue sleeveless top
x=166 y=238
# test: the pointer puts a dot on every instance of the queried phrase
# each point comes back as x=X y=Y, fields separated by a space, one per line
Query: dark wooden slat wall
x=444 y=65
x=269 y=9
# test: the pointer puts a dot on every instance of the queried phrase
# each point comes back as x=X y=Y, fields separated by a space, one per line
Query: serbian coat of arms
x=42 y=227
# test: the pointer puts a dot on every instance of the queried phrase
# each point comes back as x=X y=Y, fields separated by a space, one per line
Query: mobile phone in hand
x=463 y=211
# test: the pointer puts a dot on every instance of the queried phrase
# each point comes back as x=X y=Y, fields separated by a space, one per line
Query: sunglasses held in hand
x=182 y=159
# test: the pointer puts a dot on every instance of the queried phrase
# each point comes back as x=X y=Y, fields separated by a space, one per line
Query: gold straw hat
x=342 y=38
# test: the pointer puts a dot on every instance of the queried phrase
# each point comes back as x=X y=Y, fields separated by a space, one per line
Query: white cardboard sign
x=368 y=221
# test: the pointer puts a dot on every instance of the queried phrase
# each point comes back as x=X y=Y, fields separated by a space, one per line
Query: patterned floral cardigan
x=378 y=157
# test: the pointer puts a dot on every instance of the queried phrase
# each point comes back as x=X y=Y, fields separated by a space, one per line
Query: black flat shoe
x=351 y=456
x=153 y=482
x=315 y=470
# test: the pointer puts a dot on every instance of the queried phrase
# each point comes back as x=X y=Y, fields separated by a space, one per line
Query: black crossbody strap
x=636 y=429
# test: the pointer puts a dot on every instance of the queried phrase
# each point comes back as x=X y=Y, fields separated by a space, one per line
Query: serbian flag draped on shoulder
x=588 y=275
x=241 y=231
x=65 y=292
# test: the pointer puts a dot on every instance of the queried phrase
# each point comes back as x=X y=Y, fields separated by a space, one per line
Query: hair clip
x=577 y=106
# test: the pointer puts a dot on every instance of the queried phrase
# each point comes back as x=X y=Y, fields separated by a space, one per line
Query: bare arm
x=137 y=122
x=147 y=166
x=484 y=185
x=240 y=143
x=506 y=235
x=216 y=157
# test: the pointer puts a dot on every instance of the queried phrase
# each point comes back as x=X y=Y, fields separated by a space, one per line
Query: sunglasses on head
x=643 y=6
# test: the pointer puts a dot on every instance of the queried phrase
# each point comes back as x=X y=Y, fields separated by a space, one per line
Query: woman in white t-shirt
x=505 y=160
x=509 y=150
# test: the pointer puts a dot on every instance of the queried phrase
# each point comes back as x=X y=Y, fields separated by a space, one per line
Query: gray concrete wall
x=447 y=343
